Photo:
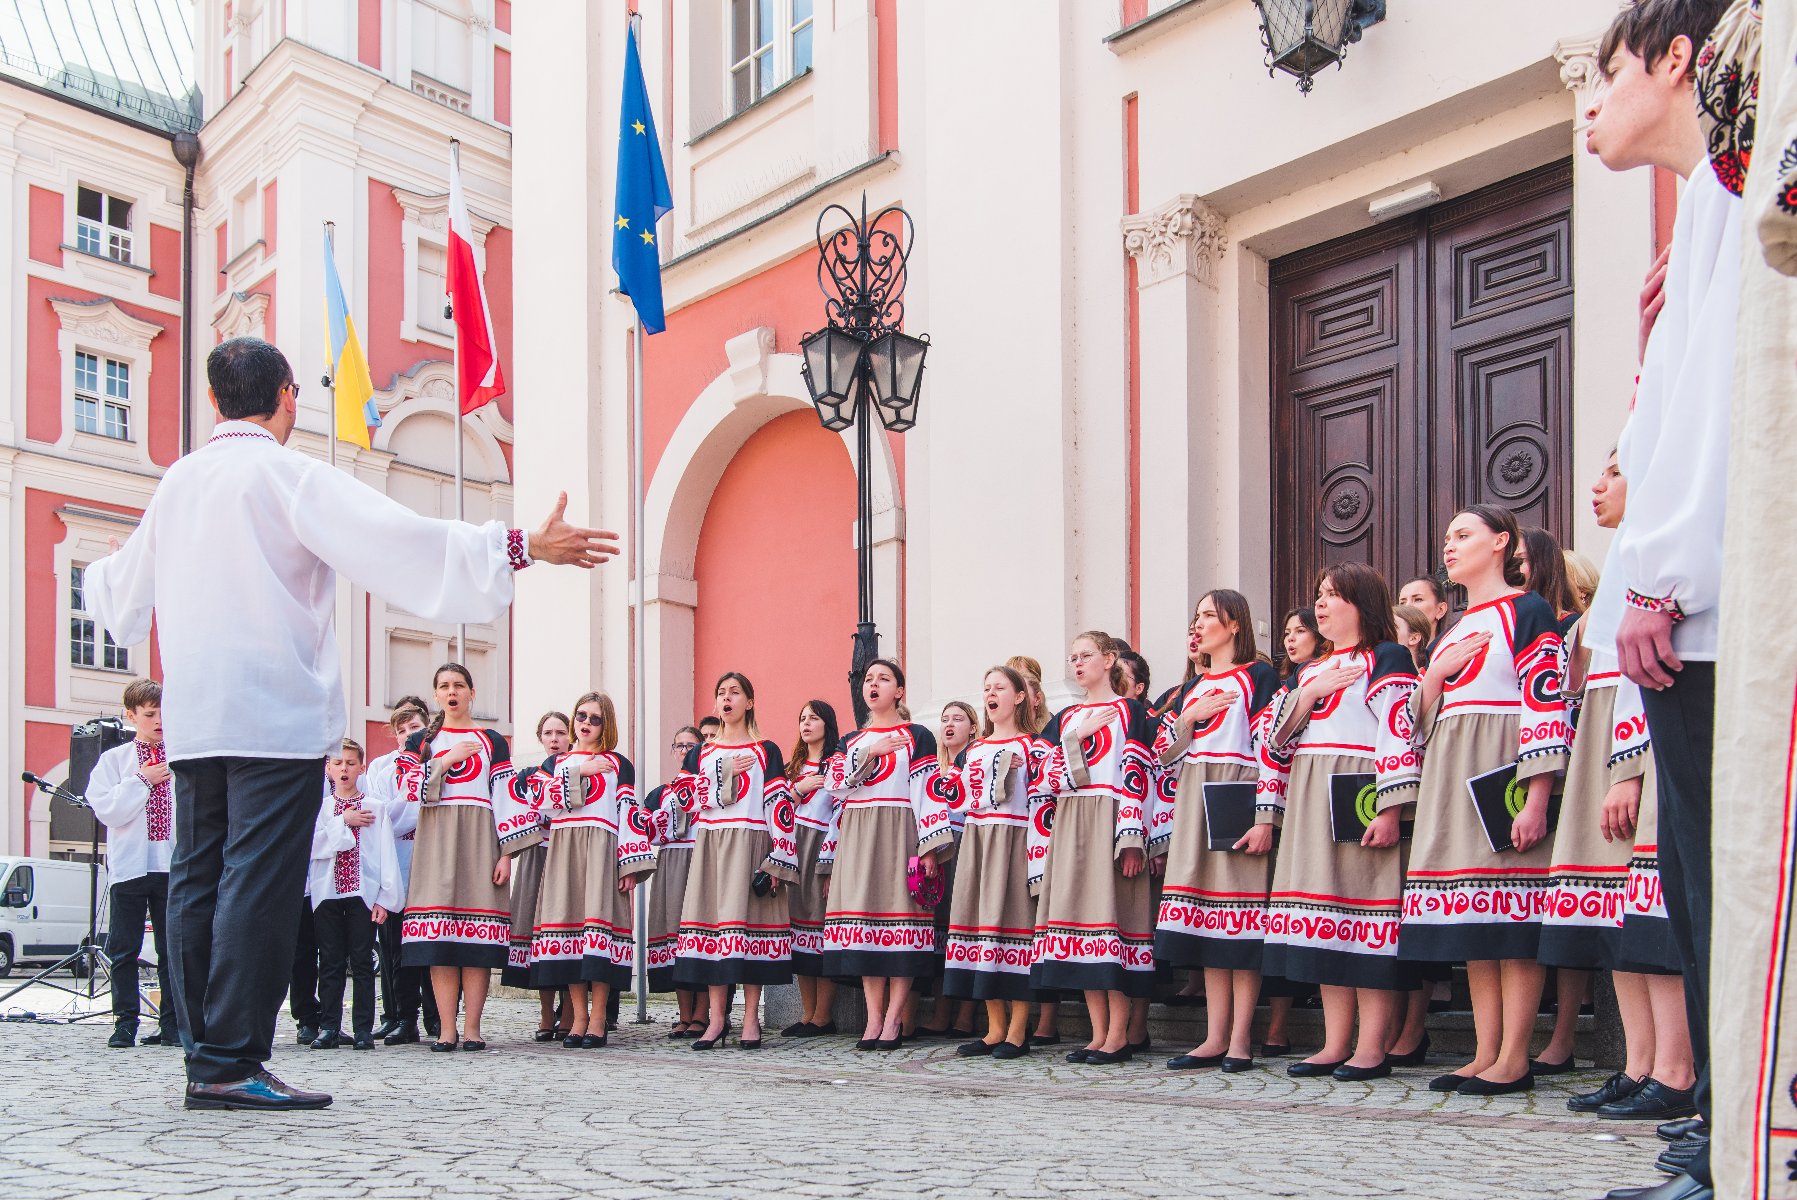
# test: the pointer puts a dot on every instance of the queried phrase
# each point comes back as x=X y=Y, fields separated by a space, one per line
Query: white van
x=43 y=910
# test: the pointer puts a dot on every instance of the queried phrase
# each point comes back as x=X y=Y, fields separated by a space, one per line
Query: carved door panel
x=1419 y=367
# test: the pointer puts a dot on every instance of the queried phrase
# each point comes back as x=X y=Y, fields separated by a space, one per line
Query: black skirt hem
x=1648 y=947
x=451 y=954
x=1469 y=943
x=1091 y=977
x=661 y=979
x=986 y=985
x=694 y=974
x=861 y=964
x=1580 y=948
x=601 y=970
x=516 y=977
x=1338 y=968
x=1191 y=952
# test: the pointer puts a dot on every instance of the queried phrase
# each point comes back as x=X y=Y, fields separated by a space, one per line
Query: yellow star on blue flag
x=643 y=197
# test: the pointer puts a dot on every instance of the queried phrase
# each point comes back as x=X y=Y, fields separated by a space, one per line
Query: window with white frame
x=89 y=646
x=102 y=224
x=770 y=42
x=102 y=396
x=431 y=288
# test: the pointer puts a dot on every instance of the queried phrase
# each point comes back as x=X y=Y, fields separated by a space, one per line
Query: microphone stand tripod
x=88 y=960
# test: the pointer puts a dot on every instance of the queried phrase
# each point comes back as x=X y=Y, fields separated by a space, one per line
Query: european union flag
x=643 y=198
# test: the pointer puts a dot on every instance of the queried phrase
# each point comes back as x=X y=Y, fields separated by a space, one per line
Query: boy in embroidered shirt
x=355 y=882
x=132 y=795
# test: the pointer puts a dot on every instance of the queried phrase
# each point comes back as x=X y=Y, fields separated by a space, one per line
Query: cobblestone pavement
x=649 y=1117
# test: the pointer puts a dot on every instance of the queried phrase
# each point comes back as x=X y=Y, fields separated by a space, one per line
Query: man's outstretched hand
x=556 y=541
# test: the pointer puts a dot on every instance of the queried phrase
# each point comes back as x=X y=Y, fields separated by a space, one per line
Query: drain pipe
x=187 y=153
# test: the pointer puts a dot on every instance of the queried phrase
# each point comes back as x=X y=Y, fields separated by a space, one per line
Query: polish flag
x=479 y=378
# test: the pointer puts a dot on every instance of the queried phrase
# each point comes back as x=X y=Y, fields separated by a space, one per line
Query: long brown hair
x=973 y=719
x=1364 y=588
x=898 y=677
x=1030 y=717
x=1104 y=643
x=1499 y=519
x=1307 y=617
x=608 y=729
x=1232 y=606
x=801 y=752
x=748 y=688
x=1547 y=572
x=435 y=725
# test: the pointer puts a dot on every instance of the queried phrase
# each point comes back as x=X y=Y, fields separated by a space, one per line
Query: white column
x=669 y=604
x=1612 y=247
x=1176 y=247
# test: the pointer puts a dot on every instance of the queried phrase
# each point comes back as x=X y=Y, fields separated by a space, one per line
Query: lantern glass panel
x=897 y=360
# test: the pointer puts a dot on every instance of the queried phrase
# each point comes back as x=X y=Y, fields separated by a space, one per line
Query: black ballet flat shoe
x=974 y=1049
x=1310 y=1070
x=1193 y=1062
x=1040 y=1039
x=574 y=1041
x=444 y=1047
x=890 y=1043
x=1614 y=1088
x=1077 y=1056
x=1678 y=1131
x=1564 y=1067
x=1348 y=1074
x=1235 y=1066
x=1106 y=1058
x=1009 y=1050
x=592 y=1042
x=474 y=1046
x=1414 y=1058
x=1275 y=1049
x=868 y=1044
x=743 y=1043
x=541 y=1035
x=828 y=1029
x=1448 y=1083
x=1141 y=1047
x=798 y=1029
x=1652 y=1101
x=1484 y=1087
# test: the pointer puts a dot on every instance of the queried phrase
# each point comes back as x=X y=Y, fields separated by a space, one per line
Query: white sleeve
x=330 y=833
x=118 y=796
x=439 y=570
x=120 y=589
x=387 y=894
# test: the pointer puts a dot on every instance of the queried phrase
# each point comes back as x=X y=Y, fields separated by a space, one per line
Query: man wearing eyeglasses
x=236 y=558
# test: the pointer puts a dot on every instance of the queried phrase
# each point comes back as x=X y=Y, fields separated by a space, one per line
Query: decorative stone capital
x=104 y=322
x=245 y=314
x=1181 y=237
x=1578 y=66
x=432 y=213
x=747 y=355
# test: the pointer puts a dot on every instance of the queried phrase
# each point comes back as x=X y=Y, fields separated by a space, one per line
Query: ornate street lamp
x=1304 y=36
x=861 y=365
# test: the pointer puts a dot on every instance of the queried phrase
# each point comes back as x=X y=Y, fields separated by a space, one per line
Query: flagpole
x=330 y=379
x=461 y=629
x=640 y=720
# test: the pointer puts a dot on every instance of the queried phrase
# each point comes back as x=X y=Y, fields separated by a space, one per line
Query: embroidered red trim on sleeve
x=1657 y=604
x=516 y=551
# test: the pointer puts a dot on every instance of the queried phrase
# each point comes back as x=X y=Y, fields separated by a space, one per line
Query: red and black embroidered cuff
x=516 y=549
x=1653 y=604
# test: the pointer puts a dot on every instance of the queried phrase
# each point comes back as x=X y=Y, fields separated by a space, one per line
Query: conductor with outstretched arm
x=237 y=558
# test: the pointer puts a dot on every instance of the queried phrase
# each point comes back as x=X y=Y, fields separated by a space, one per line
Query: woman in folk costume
x=599 y=849
x=1048 y=1008
x=1336 y=897
x=992 y=917
x=670 y=808
x=553 y=735
x=1608 y=800
x=734 y=925
x=474 y=818
x=890 y=821
x=1214 y=896
x=1492 y=725
x=812 y=809
x=1094 y=913
x=957 y=729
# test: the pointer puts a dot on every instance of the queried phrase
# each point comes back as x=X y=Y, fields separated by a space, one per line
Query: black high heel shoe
x=743 y=1043
x=710 y=1043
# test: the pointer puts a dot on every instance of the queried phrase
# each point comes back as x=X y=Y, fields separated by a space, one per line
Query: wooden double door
x=1417 y=368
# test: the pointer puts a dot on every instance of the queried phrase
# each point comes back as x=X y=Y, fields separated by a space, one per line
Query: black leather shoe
x=1106 y=1058
x=890 y=1043
x=1652 y=1101
x=1310 y=1070
x=1348 y=1074
x=1141 y=1047
x=827 y=1029
x=1614 y=1088
x=1675 y=1131
x=593 y=1042
x=433 y=1028
x=1680 y=1187
x=868 y=1044
x=445 y=1047
x=974 y=1049
x=1009 y=1050
x=709 y=1043
x=388 y=1027
x=405 y=1035
x=1448 y=1083
x=1564 y=1067
x=167 y=1037
x=330 y=1039
x=1414 y=1058
x=798 y=1029
x=1077 y=1056
x=123 y=1037
x=307 y=1035
x=152 y=1039
x=1194 y=1062
x=1681 y=1154
x=1484 y=1087
x=259 y=1091
x=1235 y=1066
x=364 y=1041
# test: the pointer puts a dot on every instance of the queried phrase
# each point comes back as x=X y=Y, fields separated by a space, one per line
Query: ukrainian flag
x=349 y=366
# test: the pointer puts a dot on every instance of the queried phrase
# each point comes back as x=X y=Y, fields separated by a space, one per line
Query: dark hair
x=704 y=721
x=246 y=375
x=898 y=675
x=1364 y=588
x=1499 y=519
x=436 y=722
x=1233 y=606
x=140 y=692
x=801 y=753
x=748 y=691
x=1547 y=571
x=1646 y=29
x=1138 y=669
x=552 y=715
x=1307 y=617
x=405 y=708
x=1432 y=583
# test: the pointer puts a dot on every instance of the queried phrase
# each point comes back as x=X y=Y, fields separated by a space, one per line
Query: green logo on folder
x=1366 y=804
x=1516 y=794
